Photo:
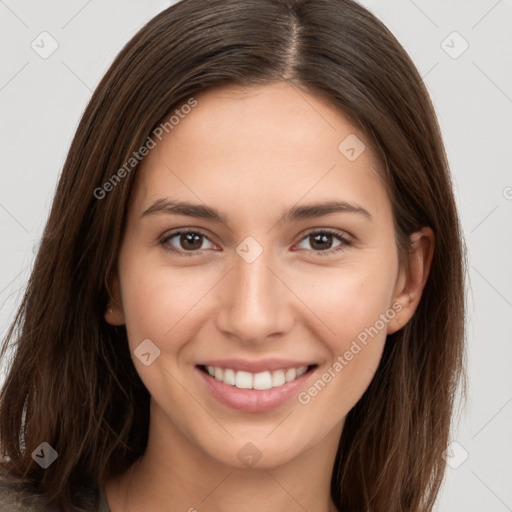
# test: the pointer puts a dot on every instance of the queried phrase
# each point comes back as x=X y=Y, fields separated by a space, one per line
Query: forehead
x=248 y=142
x=274 y=117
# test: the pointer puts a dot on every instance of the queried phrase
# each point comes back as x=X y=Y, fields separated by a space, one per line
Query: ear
x=114 y=315
x=412 y=280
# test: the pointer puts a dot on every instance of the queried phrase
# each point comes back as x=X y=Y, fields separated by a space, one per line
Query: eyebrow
x=309 y=211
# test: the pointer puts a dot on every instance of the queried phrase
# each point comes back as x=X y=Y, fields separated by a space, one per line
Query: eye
x=321 y=241
x=190 y=242
x=185 y=241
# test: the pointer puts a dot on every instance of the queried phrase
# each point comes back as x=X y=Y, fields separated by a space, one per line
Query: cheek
x=161 y=304
x=348 y=302
x=357 y=311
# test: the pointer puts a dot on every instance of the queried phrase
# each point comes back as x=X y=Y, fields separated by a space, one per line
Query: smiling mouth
x=257 y=381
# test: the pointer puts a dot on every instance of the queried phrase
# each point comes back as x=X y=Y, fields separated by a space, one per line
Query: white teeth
x=301 y=370
x=278 y=378
x=243 y=380
x=229 y=377
x=260 y=381
x=290 y=374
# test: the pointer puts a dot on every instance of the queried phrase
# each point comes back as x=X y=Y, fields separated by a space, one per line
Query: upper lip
x=255 y=366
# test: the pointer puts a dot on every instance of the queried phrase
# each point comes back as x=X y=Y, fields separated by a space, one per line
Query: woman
x=250 y=290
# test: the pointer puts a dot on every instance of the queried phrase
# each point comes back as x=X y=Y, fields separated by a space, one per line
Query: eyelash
x=336 y=234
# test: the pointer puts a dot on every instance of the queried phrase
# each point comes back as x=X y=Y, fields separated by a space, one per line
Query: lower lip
x=253 y=400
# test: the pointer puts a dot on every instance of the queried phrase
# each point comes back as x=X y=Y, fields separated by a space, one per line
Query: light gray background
x=43 y=99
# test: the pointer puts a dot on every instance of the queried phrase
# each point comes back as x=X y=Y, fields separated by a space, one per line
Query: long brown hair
x=71 y=381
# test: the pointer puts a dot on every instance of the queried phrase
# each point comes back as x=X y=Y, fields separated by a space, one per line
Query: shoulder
x=14 y=498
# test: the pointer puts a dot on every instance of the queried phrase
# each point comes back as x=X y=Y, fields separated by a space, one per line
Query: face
x=280 y=274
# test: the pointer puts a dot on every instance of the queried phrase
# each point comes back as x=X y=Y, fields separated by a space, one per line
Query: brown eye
x=324 y=241
x=185 y=241
x=190 y=241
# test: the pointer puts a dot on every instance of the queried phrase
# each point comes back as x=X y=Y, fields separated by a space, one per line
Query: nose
x=255 y=302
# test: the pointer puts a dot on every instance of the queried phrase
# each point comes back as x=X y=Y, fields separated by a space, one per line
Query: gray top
x=14 y=499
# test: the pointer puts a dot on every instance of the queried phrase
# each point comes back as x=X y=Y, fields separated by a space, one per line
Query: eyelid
x=342 y=236
x=180 y=231
x=332 y=231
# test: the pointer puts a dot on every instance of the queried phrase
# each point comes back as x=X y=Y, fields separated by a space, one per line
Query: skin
x=253 y=153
